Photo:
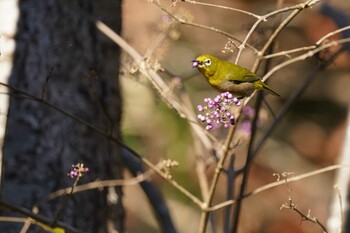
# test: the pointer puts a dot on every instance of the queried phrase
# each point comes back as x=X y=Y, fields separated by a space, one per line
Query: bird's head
x=206 y=64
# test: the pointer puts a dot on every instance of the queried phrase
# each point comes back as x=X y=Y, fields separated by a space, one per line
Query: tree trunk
x=61 y=57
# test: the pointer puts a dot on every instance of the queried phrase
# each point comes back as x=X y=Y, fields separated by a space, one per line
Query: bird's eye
x=207 y=62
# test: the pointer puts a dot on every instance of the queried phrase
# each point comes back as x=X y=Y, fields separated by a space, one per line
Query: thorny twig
x=304 y=217
x=292 y=206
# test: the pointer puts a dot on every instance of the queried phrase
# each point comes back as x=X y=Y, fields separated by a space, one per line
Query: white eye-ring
x=207 y=62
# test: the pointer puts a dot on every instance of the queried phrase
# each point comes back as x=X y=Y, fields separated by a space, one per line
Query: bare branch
x=158 y=83
x=280 y=183
x=288 y=52
x=223 y=7
x=284 y=23
x=185 y=22
x=305 y=56
x=296 y=8
x=296 y=178
x=101 y=184
x=332 y=34
x=304 y=217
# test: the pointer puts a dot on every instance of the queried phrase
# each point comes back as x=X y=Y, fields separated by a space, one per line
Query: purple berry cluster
x=216 y=111
x=78 y=170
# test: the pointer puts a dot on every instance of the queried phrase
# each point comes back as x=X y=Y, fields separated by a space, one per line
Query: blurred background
x=310 y=136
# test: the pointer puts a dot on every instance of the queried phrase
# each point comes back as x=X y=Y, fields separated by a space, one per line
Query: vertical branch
x=214 y=182
x=247 y=165
x=250 y=153
x=231 y=175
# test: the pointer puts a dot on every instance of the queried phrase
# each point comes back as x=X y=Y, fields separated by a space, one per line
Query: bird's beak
x=195 y=64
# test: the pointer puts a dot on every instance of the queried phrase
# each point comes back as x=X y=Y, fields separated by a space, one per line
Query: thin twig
x=280 y=183
x=306 y=48
x=332 y=34
x=296 y=178
x=278 y=30
x=222 y=7
x=304 y=217
x=264 y=18
x=216 y=30
x=101 y=184
x=288 y=52
x=305 y=56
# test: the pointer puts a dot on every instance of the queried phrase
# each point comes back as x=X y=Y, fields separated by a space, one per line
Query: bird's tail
x=266 y=87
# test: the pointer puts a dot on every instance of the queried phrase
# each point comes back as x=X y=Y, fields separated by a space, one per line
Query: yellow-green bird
x=226 y=76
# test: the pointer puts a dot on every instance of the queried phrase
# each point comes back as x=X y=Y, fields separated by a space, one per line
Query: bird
x=228 y=77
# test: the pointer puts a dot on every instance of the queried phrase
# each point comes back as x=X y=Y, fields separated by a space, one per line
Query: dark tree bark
x=62 y=57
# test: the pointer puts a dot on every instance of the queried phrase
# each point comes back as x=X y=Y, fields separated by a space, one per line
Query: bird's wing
x=248 y=77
